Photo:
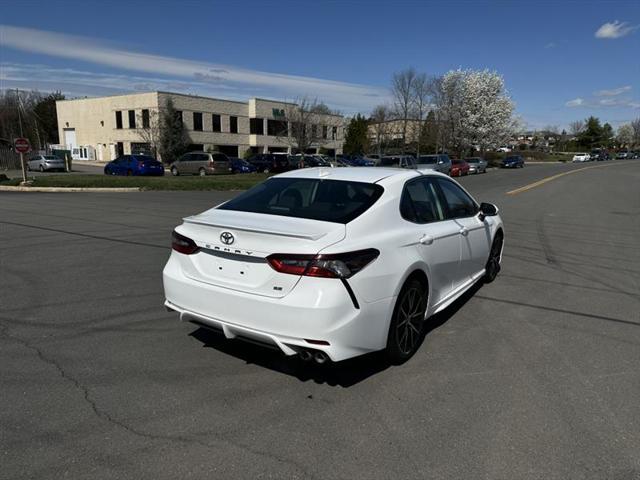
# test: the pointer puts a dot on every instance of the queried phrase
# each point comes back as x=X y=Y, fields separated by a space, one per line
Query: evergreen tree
x=356 y=140
x=173 y=137
x=592 y=135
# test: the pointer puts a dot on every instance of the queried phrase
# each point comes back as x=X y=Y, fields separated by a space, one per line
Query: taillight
x=140 y=164
x=341 y=265
x=183 y=244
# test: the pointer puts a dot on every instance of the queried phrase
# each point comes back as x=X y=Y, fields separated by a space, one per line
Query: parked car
x=271 y=163
x=134 y=165
x=45 y=163
x=333 y=267
x=459 y=168
x=476 y=164
x=201 y=163
x=238 y=165
x=513 y=161
x=363 y=162
x=309 y=161
x=622 y=155
x=438 y=162
x=504 y=149
x=581 y=157
x=398 y=161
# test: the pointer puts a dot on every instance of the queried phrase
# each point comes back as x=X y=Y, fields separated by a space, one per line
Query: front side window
x=325 y=200
x=419 y=202
x=457 y=204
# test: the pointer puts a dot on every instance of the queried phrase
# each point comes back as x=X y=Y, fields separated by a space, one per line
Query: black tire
x=492 y=267
x=407 y=323
x=202 y=172
x=174 y=171
x=41 y=169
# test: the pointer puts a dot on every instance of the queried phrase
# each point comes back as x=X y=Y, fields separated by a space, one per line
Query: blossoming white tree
x=476 y=109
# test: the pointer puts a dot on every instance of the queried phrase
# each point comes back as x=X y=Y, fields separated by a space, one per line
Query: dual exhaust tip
x=313 y=355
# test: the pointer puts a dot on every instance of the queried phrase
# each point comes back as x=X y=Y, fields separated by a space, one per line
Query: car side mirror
x=488 y=210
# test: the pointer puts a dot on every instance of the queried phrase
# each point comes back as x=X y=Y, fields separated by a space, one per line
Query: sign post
x=22 y=146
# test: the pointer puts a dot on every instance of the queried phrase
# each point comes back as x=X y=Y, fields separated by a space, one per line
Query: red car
x=459 y=168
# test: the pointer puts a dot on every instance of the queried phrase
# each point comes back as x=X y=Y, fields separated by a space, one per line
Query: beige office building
x=104 y=128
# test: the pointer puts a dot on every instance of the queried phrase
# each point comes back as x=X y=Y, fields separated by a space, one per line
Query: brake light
x=341 y=265
x=183 y=244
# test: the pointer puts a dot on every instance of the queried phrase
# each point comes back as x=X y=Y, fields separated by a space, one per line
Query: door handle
x=426 y=240
x=464 y=231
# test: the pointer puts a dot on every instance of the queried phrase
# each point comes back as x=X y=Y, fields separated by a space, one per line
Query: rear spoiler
x=281 y=233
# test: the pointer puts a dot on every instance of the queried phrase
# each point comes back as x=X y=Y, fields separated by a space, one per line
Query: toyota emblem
x=227 y=238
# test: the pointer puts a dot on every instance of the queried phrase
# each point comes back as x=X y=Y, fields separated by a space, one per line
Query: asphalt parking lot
x=533 y=376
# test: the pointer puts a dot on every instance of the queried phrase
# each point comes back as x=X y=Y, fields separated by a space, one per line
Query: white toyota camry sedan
x=329 y=264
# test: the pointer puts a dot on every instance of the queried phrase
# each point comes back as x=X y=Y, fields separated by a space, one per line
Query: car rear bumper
x=317 y=309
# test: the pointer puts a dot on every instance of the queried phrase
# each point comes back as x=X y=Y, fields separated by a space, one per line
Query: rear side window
x=419 y=202
x=325 y=200
x=456 y=202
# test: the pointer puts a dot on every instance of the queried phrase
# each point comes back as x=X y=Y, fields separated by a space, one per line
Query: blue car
x=513 y=161
x=238 y=165
x=134 y=165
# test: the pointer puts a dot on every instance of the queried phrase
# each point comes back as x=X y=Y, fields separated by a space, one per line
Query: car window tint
x=419 y=202
x=326 y=200
x=456 y=202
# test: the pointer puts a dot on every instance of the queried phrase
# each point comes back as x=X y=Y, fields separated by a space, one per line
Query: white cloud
x=615 y=29
x=613 y=92
x=576 y=102
x=347 y=96
x=550 y=45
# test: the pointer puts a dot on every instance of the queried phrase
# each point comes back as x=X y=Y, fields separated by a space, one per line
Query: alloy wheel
x=493 y=263
x=410 y=320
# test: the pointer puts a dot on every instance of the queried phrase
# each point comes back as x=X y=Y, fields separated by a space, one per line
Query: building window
x=256 y=126
x=197 y=121
x=334 y=133
x=145 y=119
x=179 y=116
x=233 y=124
x=132 y=119
x=276 y=128
x=119 y=120
x=215 y=120
x=325 y=132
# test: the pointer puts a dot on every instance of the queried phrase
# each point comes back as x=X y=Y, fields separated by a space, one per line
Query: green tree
x=173 y=137
x=356 y=140
x=592 y=135
x=607 y=135
x=46 y=118
x=429 y=133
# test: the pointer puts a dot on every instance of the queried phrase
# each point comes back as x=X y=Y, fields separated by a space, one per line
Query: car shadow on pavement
x=343 y=374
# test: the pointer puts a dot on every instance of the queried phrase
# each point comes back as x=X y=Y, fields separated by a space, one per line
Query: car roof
x=358 y=174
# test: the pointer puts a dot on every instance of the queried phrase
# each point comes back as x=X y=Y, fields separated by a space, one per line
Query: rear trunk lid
x=234 y=246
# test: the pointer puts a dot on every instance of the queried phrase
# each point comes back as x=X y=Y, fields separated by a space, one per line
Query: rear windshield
x=316 y=199
x=145 y=158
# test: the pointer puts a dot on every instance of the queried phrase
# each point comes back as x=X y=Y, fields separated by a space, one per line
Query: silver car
x=438 y=162
x=45 y=163
x=201 y=163
x=476 y=164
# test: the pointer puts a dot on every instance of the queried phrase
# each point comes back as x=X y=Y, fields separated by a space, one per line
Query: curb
x=7 y=188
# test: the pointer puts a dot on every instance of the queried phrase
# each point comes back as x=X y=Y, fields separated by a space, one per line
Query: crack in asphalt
x=105 y=416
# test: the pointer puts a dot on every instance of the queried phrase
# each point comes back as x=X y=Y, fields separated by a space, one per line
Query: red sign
x=22 y=145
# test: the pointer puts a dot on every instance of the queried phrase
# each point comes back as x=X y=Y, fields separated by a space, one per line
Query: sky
x=561 y=60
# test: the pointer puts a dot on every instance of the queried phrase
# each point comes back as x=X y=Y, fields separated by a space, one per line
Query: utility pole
x=22 y=162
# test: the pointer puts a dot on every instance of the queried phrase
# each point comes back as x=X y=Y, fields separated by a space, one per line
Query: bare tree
x=576 y=128
x=150 y=131
x=403 y=92
x=379 y=118
x=308 y=124
x=635 y=125
x=422 y=103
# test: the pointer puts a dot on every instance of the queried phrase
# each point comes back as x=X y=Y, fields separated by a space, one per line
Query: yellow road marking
x=553 y=177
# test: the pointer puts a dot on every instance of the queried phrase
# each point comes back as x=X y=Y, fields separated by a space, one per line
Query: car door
x=437 y=239
x=475 y=234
